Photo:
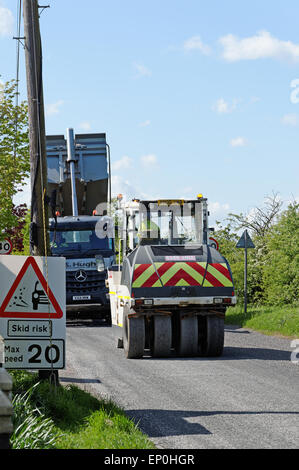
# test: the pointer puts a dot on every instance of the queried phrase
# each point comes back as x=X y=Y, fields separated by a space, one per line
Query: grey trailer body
x=91 y=175
x=77 y=172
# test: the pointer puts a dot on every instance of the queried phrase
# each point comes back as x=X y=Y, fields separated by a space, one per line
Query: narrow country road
x=248 y=398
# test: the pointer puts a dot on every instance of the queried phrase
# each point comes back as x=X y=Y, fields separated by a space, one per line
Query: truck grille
x=93 y=283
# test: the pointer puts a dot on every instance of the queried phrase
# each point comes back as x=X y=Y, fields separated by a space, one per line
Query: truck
x=171 y=291
x=81 y=229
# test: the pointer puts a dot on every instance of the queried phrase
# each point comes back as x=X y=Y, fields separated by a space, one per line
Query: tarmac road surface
x=248 y=398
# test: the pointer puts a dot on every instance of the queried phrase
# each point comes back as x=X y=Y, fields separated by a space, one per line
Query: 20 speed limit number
x=34 y=354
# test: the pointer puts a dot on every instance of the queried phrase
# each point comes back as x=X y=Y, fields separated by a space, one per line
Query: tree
x=227 y=239
x=273 y=266
x=14 y=153
x=259 y=222
x=16 y=234
x=261 y=219
x=281 y=269
x=26 y=234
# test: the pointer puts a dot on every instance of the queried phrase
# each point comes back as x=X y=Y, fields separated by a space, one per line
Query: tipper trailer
x=81 y=230
x=172 y=290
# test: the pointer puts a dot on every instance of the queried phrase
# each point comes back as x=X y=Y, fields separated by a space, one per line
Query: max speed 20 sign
x=32 y=312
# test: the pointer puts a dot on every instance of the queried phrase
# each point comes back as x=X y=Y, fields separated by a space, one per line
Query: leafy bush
x=14 y=152
x=273 y=266
x=281 y=271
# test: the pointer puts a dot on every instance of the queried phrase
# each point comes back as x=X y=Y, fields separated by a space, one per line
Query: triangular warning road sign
x=29 y=295
x=245 y=241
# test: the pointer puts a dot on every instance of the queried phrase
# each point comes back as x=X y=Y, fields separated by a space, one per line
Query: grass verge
x=77 y=420
x=266 y=319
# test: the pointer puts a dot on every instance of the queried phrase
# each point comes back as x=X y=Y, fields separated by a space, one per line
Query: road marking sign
x=5 y=247
x=29 y=296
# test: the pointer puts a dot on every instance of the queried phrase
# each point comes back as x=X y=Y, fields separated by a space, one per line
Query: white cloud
x=195 y=44
x=145 y=123
x=238 y=142
x=149 y=161
x=255 y=99
x=123 y=163
x=85 y=126
x=122 y=186
x=218 y=208
x=261 y=46
x=223 y=107
x=142 y=71
x=6 y=22
x=252 y=214
x=187 y=190
x=218 y=212
x=290 y=120
x=54 y=108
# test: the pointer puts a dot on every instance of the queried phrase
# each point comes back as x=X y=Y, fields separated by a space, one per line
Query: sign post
x=32 y=312
x=245 y=242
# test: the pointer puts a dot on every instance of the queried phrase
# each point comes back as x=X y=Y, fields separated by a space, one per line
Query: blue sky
x=194 y=96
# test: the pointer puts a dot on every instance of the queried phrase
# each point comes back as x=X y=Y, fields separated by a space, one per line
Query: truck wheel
x=108 y=320
x=133 y=337
x=211 y=336
x=160 y=336
x=187 y=336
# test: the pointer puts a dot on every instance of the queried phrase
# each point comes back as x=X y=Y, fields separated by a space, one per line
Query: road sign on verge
x=213 y=243
x=29 y=295
x=245 y=241
x=5 y=247
x=32 y=312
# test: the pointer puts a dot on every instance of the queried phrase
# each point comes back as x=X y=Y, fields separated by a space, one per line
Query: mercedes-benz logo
x=80 y=276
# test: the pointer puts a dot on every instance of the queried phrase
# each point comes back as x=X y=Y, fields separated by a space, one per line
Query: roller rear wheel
x=133 y=337
x=211 y=336
x=187 y=336
x=160 y=336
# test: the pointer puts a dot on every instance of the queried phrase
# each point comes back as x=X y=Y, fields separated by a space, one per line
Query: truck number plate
x=81 y=297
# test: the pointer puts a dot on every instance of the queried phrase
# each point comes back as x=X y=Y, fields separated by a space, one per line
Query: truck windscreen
x=78 y=240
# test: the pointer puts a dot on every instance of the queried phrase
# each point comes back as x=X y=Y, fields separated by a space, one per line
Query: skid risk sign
x=32 y=312
x=30 y=296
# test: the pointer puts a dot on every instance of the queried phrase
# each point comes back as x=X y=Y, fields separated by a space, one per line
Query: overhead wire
x=19 y=13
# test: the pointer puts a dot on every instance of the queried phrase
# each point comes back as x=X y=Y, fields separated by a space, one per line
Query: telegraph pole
x=37 y=138
x=39 y=239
